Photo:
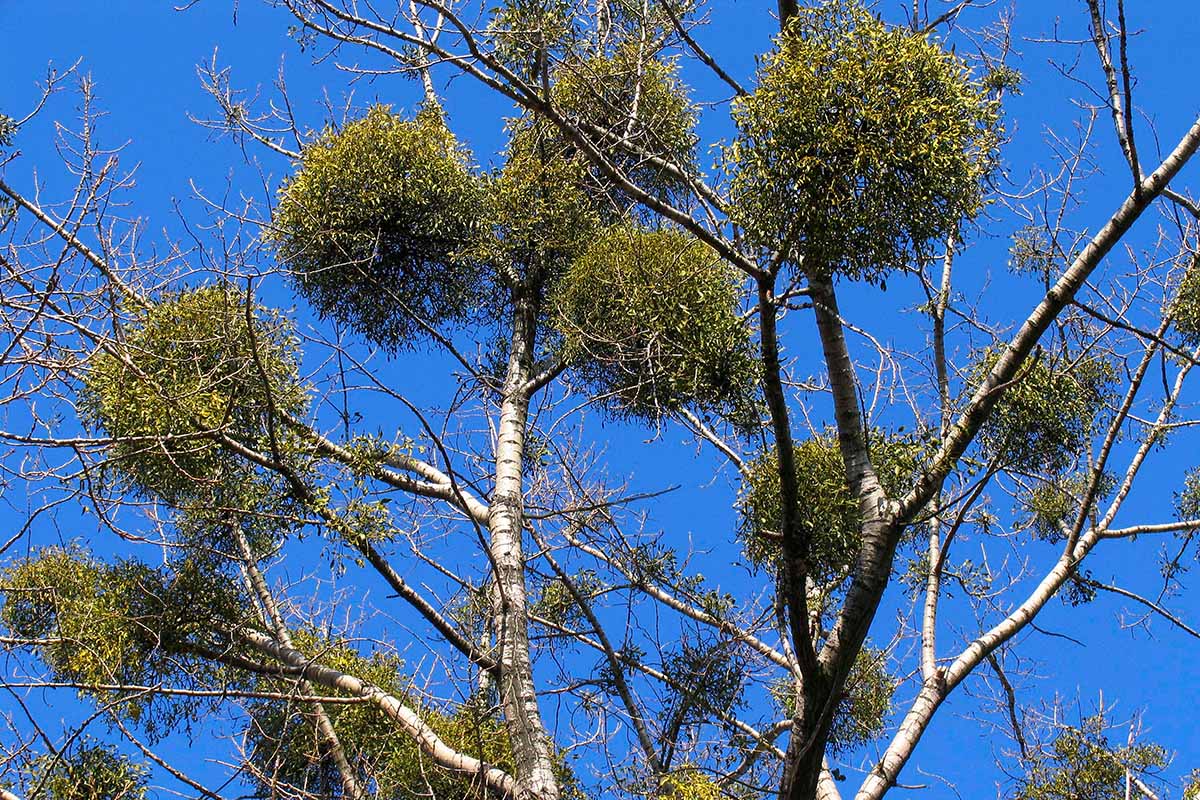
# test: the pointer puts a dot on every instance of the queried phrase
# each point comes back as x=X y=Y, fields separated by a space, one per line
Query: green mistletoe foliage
x=528 y=33
x=90 y=771
x=825 y=507
x=635 y=108
x=125 y=622
x=191 y=366
x=373 y=223
x=8 y=129
x=649 y=321
x=861 y=146
x=688 y=782
x=862 y=710
x=539 y=214
x=1045 y=419
x=1185 y=307
x=1054 y=504
x=1187 y=500
x=1082 y=764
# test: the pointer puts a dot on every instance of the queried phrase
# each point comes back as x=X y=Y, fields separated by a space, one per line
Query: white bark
x=518 y=695
x=409 y=722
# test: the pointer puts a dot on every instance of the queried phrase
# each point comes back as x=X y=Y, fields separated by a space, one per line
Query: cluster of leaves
x=862 y=710
x=1187 y=499
x=861 y=145
x=688 y=782
x=286 y=748
x=374 y=221
x=556 y=603
x=1055 y=503
x=526 y=34
x=191 y=366
x=633 y=106
x=1081 y=764
x=1045 y=418
x=649 y=321
x=1185 y=307
x=709 y=674
x=8 y=129
x=90 y=771
x=1032 y=253
x=826 y=509
x=120 y=623
x=539 y=215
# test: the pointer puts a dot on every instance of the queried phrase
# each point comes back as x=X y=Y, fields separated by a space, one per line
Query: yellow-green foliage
x=8 y=128
x=373 y=223
x=650 y=322
x=825 y=508
x=80 y=607
x=862 y=710
x=191 y=364
x=1187 y=500
x=527 y=33
x=861 y=145
x=285 y=744
x=91 y=771
x=1032 y=252
x=650 y=116
x=1055 y=503
x=1185 y=307
x=1052 y=503
x=1044 y=419
x=539 y=214
x=112 y=623
x=1081 y=764
x=689 y=783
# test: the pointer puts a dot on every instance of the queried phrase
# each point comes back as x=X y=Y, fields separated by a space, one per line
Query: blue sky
x=143 y=55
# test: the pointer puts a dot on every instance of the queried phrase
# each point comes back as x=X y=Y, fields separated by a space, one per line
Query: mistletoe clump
x=539 y=214
x=861 y=713
x=1046 y=416
x=861 y=146
x=1185 y=307
x=689 y=782
x=124 y=622
x=649 y=320
x=90 y=770
x=374 y=221
x=635 y=109
x=193 y=367
x=285 y=746
x=1081 y=763
x=826 y=510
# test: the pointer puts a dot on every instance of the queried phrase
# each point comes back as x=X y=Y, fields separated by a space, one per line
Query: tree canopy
x=705 y=423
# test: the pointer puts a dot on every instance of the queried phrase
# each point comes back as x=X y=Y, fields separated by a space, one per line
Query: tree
x=258 y=477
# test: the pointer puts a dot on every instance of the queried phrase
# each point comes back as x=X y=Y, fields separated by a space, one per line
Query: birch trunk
x=518 y=697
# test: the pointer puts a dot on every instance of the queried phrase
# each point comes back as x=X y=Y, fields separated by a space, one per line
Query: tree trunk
x=518 y=698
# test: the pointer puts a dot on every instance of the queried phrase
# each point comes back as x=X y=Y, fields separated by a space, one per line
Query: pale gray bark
x=518 y=694
x=408 y=720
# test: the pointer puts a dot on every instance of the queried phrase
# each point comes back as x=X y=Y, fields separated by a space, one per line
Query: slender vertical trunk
x=933 y=582
x=518 y=698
